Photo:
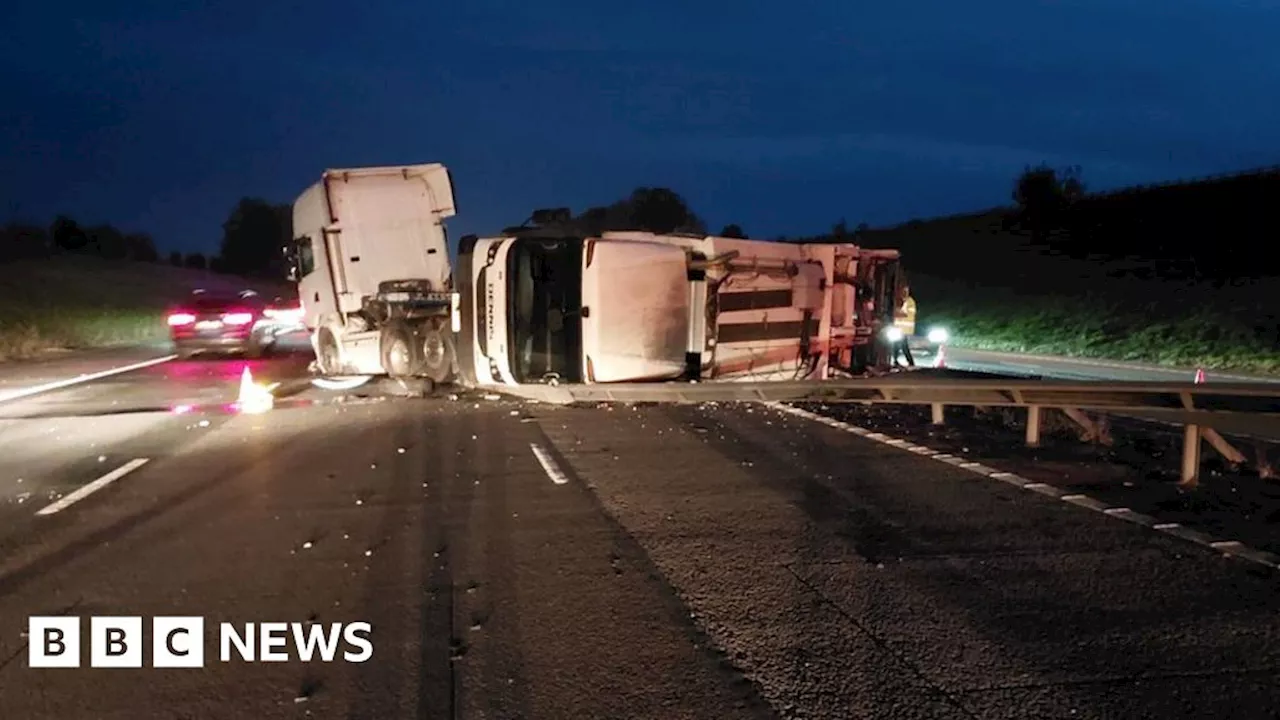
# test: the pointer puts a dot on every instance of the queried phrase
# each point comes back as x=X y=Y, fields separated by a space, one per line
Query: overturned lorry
x=546 y=302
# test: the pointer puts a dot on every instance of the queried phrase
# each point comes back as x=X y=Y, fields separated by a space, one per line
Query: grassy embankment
x=84 y=302
x=995 y=293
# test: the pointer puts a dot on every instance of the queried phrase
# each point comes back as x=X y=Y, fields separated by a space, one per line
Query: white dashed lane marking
x=548 y=464
x=1226 y=547
x=93 y=487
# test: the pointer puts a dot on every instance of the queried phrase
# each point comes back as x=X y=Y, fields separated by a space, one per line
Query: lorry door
x=317 y=289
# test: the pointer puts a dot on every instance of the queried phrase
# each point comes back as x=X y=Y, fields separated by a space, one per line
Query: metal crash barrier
x=1205 y=411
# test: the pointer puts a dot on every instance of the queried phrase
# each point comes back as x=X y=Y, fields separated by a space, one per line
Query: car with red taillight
x=221 y=324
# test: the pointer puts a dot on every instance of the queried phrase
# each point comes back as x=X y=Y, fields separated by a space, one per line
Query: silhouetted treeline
x=23 y=241
x=1209 y=229
x=253 y=237
x=659 y=210
x=1215 y=229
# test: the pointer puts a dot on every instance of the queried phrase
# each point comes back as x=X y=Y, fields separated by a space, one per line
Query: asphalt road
x=1046 y=366
x=519 y=560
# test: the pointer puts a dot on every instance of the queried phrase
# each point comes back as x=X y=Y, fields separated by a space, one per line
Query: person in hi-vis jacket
x=904 y=318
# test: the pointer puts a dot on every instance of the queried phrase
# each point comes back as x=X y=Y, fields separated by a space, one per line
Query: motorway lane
x=838 y=577
x=1016 y=364
x=19 y=375
x=851 y=579
x=53 y=443
x=493 y=591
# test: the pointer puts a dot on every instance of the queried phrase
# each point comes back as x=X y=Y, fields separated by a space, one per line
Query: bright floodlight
x=893 y=333
x=938 y=335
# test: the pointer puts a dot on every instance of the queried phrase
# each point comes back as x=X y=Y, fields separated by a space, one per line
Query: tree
x=196 y=261
x=105 y=241
x=658 y=210
x=140 y=247
x=840 y=231
x=733 y=231
x=253 y=235
x=67 y=235
x=661 y=210
x=1044 y=196
x=175 y=259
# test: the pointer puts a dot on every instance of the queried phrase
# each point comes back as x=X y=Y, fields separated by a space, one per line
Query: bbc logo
x=178 y=642
x=115 y=642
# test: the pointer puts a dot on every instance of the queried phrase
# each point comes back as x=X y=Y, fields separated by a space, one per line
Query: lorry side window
x=306 y=257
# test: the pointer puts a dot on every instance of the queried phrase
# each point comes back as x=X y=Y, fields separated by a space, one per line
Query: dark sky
x=782 y=117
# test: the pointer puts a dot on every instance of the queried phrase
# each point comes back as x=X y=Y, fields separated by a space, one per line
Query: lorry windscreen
x=545 y=328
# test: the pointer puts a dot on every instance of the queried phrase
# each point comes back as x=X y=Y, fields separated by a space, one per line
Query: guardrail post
x=1033 y=426
x=1265 y=470
x=1224 y=448
x=1191 y=457
x=938 y=418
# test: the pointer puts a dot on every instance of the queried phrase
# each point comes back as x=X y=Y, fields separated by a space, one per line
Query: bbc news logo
x=179 y=642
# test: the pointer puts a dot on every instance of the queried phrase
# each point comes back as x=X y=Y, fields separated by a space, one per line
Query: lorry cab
x=370 y=256
x=545 y=303
x=520 y=305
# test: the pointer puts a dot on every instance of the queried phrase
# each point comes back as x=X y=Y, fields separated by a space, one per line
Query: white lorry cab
x=370 y=256
x=543 y=303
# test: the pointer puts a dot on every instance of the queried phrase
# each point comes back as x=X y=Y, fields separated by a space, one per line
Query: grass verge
x=84 y=302
x=1182 y=325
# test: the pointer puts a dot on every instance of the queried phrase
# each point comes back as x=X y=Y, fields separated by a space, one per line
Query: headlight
x=893 y=334
x=938 y=335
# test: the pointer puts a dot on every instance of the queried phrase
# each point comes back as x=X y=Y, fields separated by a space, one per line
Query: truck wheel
x=437 y=353
x=401 y=350
x=255 y=349
x=327 y=356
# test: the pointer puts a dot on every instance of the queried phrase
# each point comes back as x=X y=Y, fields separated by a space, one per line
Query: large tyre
x=255 y=349
x=327 y=356
x=401 y=350
x=437 y=352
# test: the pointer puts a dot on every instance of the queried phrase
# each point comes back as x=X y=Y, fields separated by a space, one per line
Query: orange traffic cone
x=253 y=397
x=1199 y=376
x=940 y=361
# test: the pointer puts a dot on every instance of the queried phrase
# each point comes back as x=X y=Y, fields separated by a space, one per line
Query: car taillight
x=178 y=319
x=237 y=318
x=284 y=314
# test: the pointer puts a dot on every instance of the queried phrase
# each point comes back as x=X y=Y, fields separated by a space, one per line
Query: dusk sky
x=782 y=117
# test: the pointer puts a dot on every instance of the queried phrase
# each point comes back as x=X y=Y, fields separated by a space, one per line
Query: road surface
x=1048 y=366
x=520 y=560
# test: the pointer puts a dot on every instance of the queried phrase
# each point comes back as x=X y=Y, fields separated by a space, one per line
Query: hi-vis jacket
x=905 y=317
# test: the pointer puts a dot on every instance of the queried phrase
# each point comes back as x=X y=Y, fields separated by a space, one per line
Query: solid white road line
x=59 y=384
x=548 y=464
x=96 y=485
